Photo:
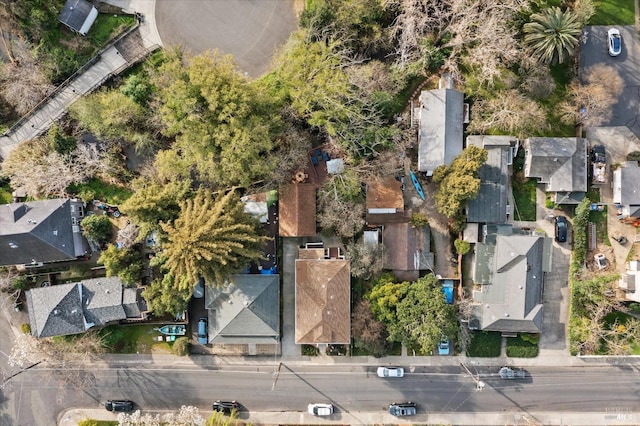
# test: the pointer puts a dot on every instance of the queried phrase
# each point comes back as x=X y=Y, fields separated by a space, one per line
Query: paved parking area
x=249 y=30
x=594 y=50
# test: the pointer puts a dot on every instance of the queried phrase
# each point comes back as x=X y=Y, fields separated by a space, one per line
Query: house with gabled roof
x=560 y=164
x=74 y=308
x=407 y=250
x=41 y=231
x=322 y=297
x=385 y=201
x=508 y=274
x=78 y=15
x=626 y=189
x=490 y=205
x=244 y=311
x=297 y=210
x=440 y=118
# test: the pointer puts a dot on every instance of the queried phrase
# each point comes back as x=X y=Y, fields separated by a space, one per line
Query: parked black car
x=225 y=407
x=119 y=405
x=561 y=229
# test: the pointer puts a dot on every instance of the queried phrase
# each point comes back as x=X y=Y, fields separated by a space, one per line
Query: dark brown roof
x=297 y=210
x=385 y=202
x=406 y=248
x=323 y=313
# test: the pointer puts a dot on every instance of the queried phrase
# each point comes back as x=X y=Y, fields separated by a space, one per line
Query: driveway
x=594 y=50
x=249 y=30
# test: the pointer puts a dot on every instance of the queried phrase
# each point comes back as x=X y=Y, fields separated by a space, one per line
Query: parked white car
x=601 y=261
x=320 y=409
x=390 y=372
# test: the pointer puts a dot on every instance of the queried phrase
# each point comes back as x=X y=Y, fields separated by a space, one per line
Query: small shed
x=78 y=15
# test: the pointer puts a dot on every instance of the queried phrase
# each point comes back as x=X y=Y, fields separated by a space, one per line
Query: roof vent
x=230 y=302
x=506 y=315
x=13 y=245
x=246 y=303
x=107 y=291
x=56 y=312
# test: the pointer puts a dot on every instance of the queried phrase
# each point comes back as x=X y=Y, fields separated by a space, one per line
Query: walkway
x=112 y=61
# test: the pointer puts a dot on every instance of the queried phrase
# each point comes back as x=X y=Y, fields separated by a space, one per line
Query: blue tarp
x=447 y=289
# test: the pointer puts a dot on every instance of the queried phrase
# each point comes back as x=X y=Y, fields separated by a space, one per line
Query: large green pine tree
x=212 y=238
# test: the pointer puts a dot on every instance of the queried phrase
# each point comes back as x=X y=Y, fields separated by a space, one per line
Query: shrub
x=485 y=344
x=25 y=328
x=519 y=348
x=549 y=203
x=634 y=307
x=21 y=283
x=181 y=346
x=530 y=337
x=462 y=247
x=309 y=350
x=633 y=156
x=418 y=220
x=97 y=228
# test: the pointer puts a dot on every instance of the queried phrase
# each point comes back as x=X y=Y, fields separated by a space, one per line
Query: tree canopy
x=223 y=126
x=212 y=238
x=459 y=182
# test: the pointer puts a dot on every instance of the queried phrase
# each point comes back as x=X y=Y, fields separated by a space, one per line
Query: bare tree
x=127 y=236
x=8 y=292
x=454 y=24
x=366 y=259
x=68 y=359
x=41 y=172
x=590 y=102
x=510 y=111
x=22 y=82
x=186 y=416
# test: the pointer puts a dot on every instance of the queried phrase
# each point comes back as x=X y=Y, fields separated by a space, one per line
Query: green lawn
x=100 y=190
x=107 y=27
x=600 y=219
x=524 y=195
x=518 y=348
x=131 y=339
x=613 y=12
x=485 y=344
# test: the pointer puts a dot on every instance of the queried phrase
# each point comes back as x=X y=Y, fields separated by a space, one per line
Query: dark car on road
x=225 y=407
x=119 y=405
x=403 y=409
x=561 y=229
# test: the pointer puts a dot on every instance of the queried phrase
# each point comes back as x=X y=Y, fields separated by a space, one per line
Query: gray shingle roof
x=75 y=13
x=246 y=310
x=490 y=205
x=629 y=184
x=440 y=132
x=511 y=271
x=74 y=308
x=36 y=230
x=561 y=163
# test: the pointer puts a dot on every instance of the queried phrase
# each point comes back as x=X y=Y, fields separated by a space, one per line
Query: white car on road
x=614 y=41
x=320 y=409
x=390 y=372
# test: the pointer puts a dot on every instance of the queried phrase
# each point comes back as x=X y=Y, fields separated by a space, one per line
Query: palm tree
x=553 y=34
x=212 y=238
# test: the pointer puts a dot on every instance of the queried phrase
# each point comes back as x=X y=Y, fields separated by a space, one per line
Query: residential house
x=78 y=16
x=74 y=308
x=322 y=297
x=297 y=210
x=560 y=164
x=440 y=118
x=626 y=189
x=245 y=311
x=407 y=250
x=491 y=203
x=509 y=274
x=37 y=232
x=385 y=201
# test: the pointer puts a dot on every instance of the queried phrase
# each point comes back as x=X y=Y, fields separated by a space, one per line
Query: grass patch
x=562 y=74
x=131 y=339
x=600 y=219
x=613 y=12
x=107 y=27
x=93 y=422
x=524 y=195
x=485 y=344
x=356 y=351
x=5 y=193
x=97 y=189
x=518 y=348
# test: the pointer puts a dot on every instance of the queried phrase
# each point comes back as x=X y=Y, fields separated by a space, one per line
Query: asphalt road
x=249 y=30
x=28 y=401
x=594 y=50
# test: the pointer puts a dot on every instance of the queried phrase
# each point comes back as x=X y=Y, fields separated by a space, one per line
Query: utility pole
x=476 y=378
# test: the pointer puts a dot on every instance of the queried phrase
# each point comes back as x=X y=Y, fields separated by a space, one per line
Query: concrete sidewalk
x=72 y=416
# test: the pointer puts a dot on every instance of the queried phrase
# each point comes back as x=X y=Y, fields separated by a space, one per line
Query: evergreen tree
x=212 y=238
x=553 y=34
